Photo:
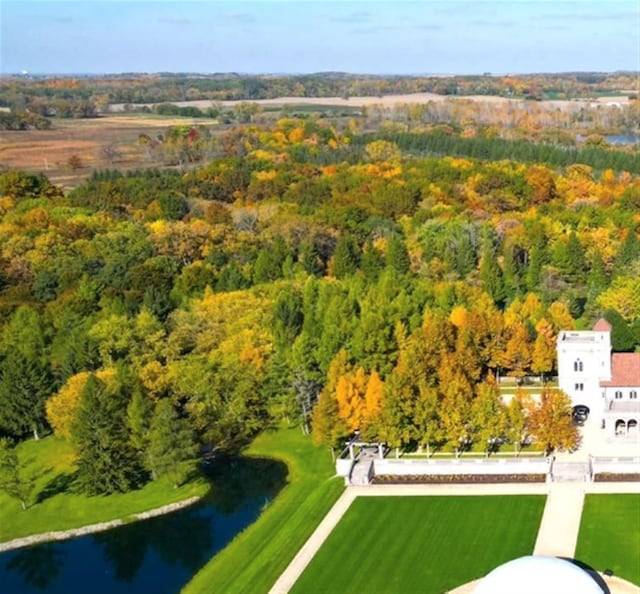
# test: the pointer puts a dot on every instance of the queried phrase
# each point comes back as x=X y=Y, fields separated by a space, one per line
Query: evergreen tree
x=622 y=335
x=12 y=480
x=24 y=387
x=107 y=463
x=372 y=261
x=597 y=280
x=628 y=253
x=310 y=258
x=491 y=276
x=171 y=444
x=139 y=413
x=287 y=318
x=397 y=255
x=346 y=257
x=568 y=256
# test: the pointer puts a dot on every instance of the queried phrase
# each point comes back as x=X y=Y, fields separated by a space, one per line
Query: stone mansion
x=608 y=383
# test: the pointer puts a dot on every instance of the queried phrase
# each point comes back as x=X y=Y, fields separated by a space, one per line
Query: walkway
x=558 y=532
x=557 y=535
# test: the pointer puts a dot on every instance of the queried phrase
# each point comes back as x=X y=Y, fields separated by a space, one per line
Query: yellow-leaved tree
x=62 y=407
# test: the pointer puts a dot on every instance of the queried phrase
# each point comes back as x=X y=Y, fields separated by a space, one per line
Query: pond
x=158 y=555
x=622 y=139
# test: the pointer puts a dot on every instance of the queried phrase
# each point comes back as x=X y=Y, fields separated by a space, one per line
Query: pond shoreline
x=43 y=537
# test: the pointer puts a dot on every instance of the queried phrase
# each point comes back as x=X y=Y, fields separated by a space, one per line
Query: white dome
x=538 y=575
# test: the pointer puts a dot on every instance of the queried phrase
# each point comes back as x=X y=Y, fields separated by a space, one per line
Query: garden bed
x=616 y=477
x=395 y=479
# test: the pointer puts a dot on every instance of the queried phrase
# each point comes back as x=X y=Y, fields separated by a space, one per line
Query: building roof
x=625 y=371
x=537 y=575
x=602 y=326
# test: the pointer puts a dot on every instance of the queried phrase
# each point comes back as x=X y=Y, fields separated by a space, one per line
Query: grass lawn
x=51 y=462
x=255 y=558
x=396 y=545
x=610 y=535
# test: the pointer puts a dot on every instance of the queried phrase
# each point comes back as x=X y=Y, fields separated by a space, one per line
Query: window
x=633 y=395
x=577 y=365
x=579 y=387
x=618 y=395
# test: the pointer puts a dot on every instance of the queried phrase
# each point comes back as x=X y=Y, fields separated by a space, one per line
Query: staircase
x=570 y=472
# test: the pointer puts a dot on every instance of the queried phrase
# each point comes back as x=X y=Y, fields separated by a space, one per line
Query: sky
x=304 y=36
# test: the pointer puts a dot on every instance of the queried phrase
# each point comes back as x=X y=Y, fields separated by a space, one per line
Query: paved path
x=556 y=532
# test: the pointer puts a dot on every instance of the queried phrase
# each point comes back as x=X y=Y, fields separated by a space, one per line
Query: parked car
x=580 y=413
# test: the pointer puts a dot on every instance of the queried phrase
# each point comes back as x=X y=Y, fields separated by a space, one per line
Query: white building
x=607 y=383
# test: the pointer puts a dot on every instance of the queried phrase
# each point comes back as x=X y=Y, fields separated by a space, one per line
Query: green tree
x=346 y=257
x=139 y=413
x=491 y=275
x=172 y=448
x=107 y=462
x=24 y=387
x=12 y=480
x=397 y=255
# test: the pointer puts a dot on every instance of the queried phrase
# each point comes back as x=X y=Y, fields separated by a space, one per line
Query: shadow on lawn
x=61 y=483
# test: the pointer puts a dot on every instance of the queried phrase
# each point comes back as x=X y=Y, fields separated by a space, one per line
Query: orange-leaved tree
x=551 y=422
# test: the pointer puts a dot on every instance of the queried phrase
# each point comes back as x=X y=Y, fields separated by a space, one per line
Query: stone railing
x=485 y=466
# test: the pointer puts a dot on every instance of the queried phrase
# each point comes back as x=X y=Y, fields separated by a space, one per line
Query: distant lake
x=622 y=139
x=155 y=556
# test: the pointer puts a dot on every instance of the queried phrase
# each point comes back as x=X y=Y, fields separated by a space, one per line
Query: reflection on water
x=158 y=555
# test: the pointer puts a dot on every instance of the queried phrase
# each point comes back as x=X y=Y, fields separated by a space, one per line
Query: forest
x=310 y=274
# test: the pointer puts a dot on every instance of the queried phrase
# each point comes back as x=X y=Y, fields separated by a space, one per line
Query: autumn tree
x=426 y=418
x=517 y=353
x=517 y=419
x=544 y=349
x=488 y=415
x=551 y=422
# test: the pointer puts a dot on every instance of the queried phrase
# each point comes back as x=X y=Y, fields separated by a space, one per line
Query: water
x=156 y=556
x=622 y=139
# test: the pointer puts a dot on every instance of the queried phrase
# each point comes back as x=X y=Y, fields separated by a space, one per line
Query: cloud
x=240 y=17
x=352 y=18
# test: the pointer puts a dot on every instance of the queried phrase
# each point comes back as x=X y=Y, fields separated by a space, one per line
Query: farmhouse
x=608 y=383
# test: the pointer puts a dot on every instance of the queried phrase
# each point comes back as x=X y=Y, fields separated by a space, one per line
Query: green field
x=55 y=507
x=397 y=545
x=610 y=535
x=255 y=558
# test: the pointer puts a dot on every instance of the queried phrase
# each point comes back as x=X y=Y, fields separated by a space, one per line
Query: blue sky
x=428 y=36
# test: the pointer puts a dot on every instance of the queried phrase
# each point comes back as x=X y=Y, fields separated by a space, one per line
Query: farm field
x=608 y=537
x=394 y=545
x=49 y=151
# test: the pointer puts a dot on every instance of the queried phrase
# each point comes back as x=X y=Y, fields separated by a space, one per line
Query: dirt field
x=49 y=151
x=387 y=101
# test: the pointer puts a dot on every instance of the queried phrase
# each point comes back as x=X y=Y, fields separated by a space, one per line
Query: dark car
x=580 y=413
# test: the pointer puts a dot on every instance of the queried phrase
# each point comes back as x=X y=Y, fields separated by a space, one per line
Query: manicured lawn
x=255 y=559
x=396 y=545
x=610 y=535
x=51 y=461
